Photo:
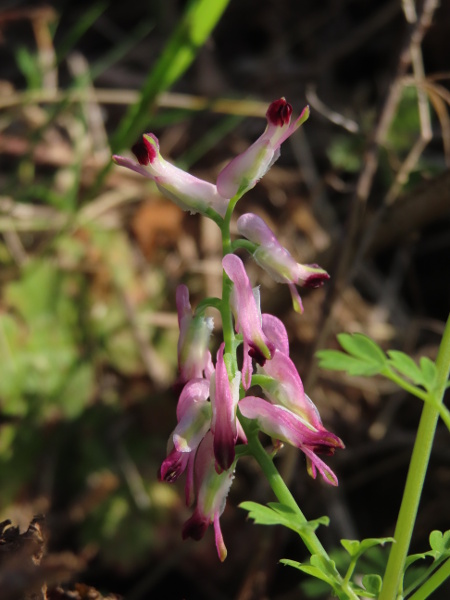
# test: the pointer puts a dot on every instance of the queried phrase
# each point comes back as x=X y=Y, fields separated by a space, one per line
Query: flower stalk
x=416 y=473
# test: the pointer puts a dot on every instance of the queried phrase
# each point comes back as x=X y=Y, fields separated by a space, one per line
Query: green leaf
x=406 y=366
x=361 y=346
x=364 y=358
x=310 y=570
x=440 y=542
x=373 y=584
x=428 y=369
x=262 y=515
x=352 y=546
x=356 y=548
x=412 y=558
x=339 y=361
x=280 y=514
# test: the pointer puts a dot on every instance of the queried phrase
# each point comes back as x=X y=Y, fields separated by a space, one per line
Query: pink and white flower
x=224 y=399
x=244 y=171
x=282 y=424
x=246 y=311
x=277 y=261
x=211 y=490
x=194 y=358
x=188 y=192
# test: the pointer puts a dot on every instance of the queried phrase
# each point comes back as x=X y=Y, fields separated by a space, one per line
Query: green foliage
x=43 y=370
x=439 y=553
x=321 y=567
x=280 y=514
x=356 y=548
x=364 y=356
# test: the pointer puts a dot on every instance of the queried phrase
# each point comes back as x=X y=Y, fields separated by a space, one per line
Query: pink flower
x=247 y=316
x=194 y=415
x=277 y=261
x=211 y=490
x=282 y=424
x=194 y=358
x=286 y=389
x=224 y=399
x=188 y=192
x=244 y=171
x=275 y=332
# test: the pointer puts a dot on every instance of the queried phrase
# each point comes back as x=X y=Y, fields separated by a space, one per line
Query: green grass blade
x=191 y=33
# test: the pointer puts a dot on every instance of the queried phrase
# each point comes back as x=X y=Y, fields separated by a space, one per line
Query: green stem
x=419 y=393
x=408 y=387
x=284 y=496
x=281 y=490
x=416 y=474
x=433 y=582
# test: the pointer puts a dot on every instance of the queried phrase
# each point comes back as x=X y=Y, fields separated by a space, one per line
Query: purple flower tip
x=146 y=149
x=195 y=527
x=316 y=280
x=141 y=153
x=256 y=353
x=279 y=112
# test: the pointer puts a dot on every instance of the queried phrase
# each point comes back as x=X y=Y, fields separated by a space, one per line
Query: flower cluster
x=213 y=405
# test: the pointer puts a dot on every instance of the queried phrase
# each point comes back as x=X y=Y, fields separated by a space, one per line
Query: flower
x=194 y=421
x=285 y=387
x=244 y=171
x=277 y=261
x=194 y=358
x=275 y=332
x=282 y=424
x=224 y=400
x=247 y=316
x=211 y=490
x=188 y=192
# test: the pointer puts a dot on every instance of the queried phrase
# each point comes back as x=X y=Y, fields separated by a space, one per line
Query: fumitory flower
x=194 y=415
x=194 y=358
x=277 y=261
x=211 y=489
x=188 y=192
x=224 y=399
x=244 y=171
x=282 y=424
x=290 y=415
x=247 y=316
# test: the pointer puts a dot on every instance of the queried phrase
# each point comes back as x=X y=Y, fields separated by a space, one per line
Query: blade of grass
x=191 y=33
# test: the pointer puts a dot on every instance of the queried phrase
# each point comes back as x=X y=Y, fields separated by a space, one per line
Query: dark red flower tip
x=316 y=280
x=256 y=353
x=279 y=112
x=195 y=527
x=224 y=454
x=172 y=467
x=141 y=153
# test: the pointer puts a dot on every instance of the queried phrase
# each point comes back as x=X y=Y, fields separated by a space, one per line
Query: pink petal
x=249 y=317
x=224 y=401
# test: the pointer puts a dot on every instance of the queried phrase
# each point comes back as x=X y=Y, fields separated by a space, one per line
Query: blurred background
x=91 y=255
